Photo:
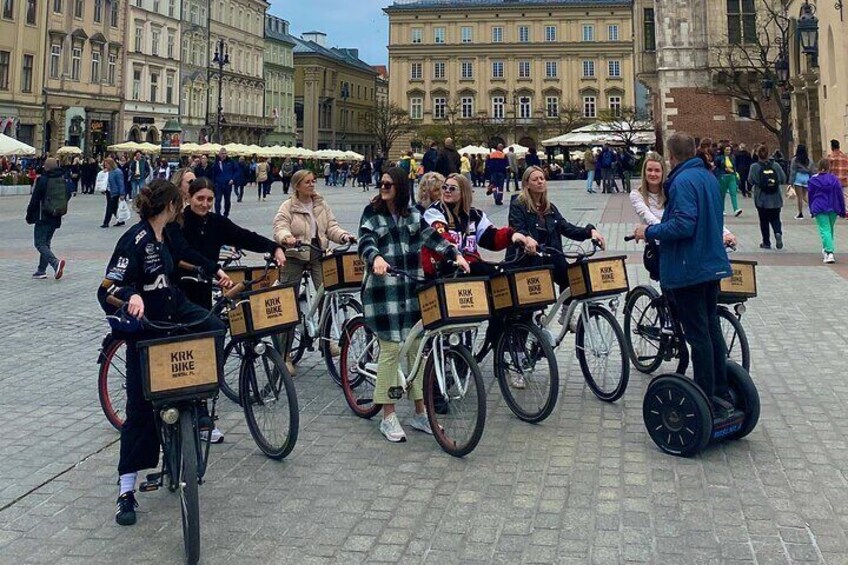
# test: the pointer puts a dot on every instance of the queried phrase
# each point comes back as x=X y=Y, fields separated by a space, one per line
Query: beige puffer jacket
x=293 y=219
x=262 y=169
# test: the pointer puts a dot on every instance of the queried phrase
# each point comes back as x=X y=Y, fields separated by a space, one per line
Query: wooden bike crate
x=454 y=301
x=181 y=368
x=264 y=312
x=594 y=278
x=530 y=288
x=241 y=274
x=342 y=270
x=742 y=284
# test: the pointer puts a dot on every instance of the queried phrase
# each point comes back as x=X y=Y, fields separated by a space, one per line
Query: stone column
x=311 y=93
x=811 y=90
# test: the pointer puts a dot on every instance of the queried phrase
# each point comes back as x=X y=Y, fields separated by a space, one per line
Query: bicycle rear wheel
x=269 y=402
x=233 y=355
x=526 y=369
x=735 y=338
x=646 y=343
x=112 y=382
x=189 y=497
x=330 y=335
x=601 y=353
x=358 y=367
x=459 y=429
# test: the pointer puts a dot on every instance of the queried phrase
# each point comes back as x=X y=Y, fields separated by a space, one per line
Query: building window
x=98 y=11
x=498 y=107
x=612 y=32
x=8 y=13
x=552 y=107
x=139 y=33
x=588 y=32
x=550 y=33
x=466 y=35
x=497 y=69
x=523 y=69
x=438 y=70
x=524 y=34
x=466 y=70
x=172 y=8
x=136 y=92
x=439 y=35
x=95 y=65
x=589 y=107
x=55 y=60
x=416 y=35
x=113 y=15
x=4 y=70
x=26 y=74
x=76 y=62
x=154 y=87
x=416 y=71
x=30 y=12
x=649 y=30
x=156 y=5
x=113 y=64
x=615 y=105
x=169 y=89
x=171 y=39
x=588 y=69
x=743 y=110
x=614 y=69
x=79 y=6
x=497 y=34
x=467 y=105
x=551 y=69
x=57 y=6
x=741 y=21
x=440 y=105
x=525 y=107
x=416 y=108
x=154 y=40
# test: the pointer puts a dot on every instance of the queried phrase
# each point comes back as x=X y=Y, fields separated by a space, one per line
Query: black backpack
x=55 y=201
x=768 y=180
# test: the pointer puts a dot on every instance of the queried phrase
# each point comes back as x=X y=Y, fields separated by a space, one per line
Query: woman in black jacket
x=532 y=215
x=206 y=231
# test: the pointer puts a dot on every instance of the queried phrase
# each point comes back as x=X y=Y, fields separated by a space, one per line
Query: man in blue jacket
x=226 y=176
x=692 y=263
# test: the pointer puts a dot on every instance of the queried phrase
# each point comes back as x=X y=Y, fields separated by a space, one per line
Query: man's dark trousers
x=223 y=193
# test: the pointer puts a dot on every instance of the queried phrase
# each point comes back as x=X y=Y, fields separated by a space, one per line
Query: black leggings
x=769 y=217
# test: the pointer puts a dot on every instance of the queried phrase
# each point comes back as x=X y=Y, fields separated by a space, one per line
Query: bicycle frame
x=566 y=316
x=330 y=307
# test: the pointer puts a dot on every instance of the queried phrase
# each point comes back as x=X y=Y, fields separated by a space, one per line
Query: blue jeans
x=590 y=180
x=136 y=185
x=42 y=236
x=498 y=181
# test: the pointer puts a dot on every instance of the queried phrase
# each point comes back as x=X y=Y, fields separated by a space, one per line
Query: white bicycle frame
x=331 y=308
x=566 y=316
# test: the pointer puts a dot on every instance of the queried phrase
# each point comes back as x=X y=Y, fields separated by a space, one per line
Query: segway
x=679 y=416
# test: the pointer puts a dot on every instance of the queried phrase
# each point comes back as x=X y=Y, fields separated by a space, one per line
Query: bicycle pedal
x=149 y=486
x=395 y=392
x=153 y=477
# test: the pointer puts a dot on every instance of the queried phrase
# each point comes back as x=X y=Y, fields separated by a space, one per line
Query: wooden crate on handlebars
x=241 y=274
x=595 y=278
x=454 y=301
x=741 y=285
x=264 y=312
x=530 y=288
x=185 y=367
x=342 y=270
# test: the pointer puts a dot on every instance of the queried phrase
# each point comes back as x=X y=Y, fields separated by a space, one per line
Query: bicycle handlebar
x=729 y=246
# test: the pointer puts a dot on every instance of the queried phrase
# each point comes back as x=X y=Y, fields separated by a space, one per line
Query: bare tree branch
x=387 y=122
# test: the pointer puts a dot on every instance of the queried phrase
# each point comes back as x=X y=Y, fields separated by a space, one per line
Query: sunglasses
x=449 y=188
x=387 y=184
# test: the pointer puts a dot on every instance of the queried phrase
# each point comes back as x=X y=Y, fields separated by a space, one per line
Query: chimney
x=318 y=37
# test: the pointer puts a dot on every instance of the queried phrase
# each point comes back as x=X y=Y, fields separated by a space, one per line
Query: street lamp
x=808 y=29
x=221 y=59
x=768 y=88
x=781 y=68
x=345 y=94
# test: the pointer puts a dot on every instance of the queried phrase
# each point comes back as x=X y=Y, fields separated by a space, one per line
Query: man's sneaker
x=517 y=381
x=765 y=246
x=391 y=428
x=217 y=436
x=125 y=509
x=60 y=269
x=778 y=238
x=829 y=259
x=799 y=216
x=421 y=423
x=738 y=212
x=39 y=276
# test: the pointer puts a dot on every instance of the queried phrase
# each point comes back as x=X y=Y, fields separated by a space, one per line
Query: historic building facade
x=334 y=91
x=279 y=81
x=514 y=67
x=152 y=63
x=22 y=43
x=241 y=26
x=84 y=55
x=194 y=70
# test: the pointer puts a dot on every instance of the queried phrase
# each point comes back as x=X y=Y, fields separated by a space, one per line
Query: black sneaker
x=722 y=408
x=125 y=509
x=778 y=238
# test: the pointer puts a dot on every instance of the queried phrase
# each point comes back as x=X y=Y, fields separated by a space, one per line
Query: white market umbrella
x=10 y=146
x=520 y=150
x=69 y=150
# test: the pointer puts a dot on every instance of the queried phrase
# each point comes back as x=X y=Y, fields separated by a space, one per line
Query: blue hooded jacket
x=691 y=228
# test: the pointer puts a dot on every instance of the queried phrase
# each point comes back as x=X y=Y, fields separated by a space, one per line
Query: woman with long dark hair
x=800 y=171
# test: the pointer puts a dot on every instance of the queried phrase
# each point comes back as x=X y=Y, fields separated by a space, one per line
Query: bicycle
x=334 y=303
x=594 y=286
x=654 y=334
x=449 y=366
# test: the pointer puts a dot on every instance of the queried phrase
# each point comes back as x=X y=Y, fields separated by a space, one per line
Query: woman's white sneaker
x=421 y=423
x=391 y=428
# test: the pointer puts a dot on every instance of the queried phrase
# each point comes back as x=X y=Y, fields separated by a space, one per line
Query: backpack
x=55 y=201
x=768 y=180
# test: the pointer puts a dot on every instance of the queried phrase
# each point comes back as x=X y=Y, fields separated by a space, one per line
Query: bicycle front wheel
x=233 y=355
x=330 y=335
x=526 y=369
x=269 y=402
x=189 y=497
x=646 y=343
x=735 y=338
x=358 y=367
x=112 y=382
x=602 y=355
x=460 y=426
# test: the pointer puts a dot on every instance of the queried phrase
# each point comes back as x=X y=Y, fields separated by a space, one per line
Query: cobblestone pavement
x=585 y=486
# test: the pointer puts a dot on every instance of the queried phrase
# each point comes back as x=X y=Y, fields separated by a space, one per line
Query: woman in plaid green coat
x=391 y=234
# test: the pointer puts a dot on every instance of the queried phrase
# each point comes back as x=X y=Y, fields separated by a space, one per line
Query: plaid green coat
x=390 y=304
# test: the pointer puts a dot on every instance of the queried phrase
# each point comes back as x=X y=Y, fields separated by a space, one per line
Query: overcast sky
x=347 y=23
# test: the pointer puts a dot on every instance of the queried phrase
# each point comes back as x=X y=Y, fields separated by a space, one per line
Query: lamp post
x=345 y=94
x=807 y=33
x=221 y=59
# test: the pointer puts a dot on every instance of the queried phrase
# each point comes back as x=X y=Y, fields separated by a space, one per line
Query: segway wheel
x=745 y=398
x=677 y=415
